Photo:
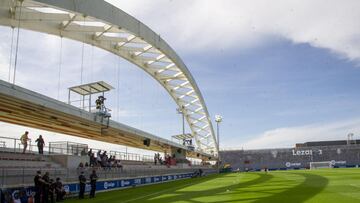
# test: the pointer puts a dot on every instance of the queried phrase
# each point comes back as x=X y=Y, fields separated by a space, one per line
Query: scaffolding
x=87 y=92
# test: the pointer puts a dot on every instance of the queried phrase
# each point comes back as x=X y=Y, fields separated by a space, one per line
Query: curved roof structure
x=102 y=25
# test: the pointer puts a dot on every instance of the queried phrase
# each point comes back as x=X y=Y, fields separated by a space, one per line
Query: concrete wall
x=69 y=161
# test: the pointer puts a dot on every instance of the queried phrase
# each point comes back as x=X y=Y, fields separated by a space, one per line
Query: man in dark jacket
x=40 y=144
x=59 y=189
x=82 y=183
x=52 y=190
x=38 y=184
x=93 y=179
x=45 y=188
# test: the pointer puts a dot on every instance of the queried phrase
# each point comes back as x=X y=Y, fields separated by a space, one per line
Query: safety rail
x=14 y=145
x=68 y=148
x=14 y=177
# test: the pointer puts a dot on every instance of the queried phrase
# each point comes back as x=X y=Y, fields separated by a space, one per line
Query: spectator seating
x=19 y=160
x=292 y=158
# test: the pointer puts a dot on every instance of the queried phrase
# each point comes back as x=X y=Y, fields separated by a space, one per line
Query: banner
x=26 y=194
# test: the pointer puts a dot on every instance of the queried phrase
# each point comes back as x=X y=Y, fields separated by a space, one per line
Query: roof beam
x=65 y=24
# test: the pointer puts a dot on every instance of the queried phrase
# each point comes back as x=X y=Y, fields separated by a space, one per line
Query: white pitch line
x=358 y=186
x=156 y=193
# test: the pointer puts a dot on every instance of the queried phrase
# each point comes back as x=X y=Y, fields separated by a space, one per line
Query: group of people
x=102 y=159
x=167 y=161
x=187 y=142
x=47 y=190
x=40 y=142
x=82 y=183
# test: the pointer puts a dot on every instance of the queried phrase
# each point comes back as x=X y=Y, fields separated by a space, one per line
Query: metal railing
x=68 y=148
x=71 y=148
x=25 y=176
x=14 y=144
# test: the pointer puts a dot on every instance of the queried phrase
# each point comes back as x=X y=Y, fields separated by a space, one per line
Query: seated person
x=81 y=165
x=118 y=165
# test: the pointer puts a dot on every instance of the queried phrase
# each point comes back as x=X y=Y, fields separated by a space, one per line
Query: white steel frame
x=100 y=24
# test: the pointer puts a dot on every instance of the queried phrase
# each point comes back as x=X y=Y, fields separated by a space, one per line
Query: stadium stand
x=15 y=160
x=18 y=169
x=339 y=153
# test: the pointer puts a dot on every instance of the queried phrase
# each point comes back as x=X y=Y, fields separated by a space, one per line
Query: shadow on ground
x=257 y=187
x=312 y=185
x=189 y=196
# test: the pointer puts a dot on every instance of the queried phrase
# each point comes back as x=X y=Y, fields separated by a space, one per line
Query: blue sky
x=279 y=85
x=279 y=73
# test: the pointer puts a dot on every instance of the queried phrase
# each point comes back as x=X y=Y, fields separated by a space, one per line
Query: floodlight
x=218 y=118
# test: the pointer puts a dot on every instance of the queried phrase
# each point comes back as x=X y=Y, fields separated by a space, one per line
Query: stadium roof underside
x=27 y=108
x=91 y=88
x=100 y=24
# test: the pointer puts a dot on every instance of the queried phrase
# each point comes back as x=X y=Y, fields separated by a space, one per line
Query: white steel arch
x=100 y=24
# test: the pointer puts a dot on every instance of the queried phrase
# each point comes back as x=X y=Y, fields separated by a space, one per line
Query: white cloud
x=289 y=136
x=332 y=25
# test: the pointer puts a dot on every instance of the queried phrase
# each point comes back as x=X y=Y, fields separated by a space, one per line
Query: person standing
x=93 y=179
x=82 y=183
x=155 y=159
x=38 y=185
x=45 y=188
x=40 y=144
x=24 y=139
x=59 y=189
x=52 y=186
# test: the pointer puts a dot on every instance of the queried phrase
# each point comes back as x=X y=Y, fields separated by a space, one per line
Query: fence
x=68 y=148
x=71 y=148
x=25 y=176
x=14 y=145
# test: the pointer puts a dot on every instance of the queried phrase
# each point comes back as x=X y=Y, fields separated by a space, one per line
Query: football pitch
x=321 y=185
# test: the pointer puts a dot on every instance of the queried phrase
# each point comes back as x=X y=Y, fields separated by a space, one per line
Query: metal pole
x=126 y=153
x=90 y=101
x=183 y=122
x=218 y=138
x=69 y=97
x=14 y=145
x=218 y=143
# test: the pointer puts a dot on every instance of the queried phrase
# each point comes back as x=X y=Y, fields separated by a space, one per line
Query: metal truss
x=100 y=24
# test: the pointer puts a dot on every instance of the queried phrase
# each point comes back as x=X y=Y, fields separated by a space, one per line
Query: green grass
x=325 y=185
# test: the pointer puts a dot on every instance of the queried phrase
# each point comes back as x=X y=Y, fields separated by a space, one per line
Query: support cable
x=82 y=69
x=141 y=97
x=17 y=42
x=92 y=64
x=118 y=89
x=11 y=51
x=82 y=63
x=60 y=64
